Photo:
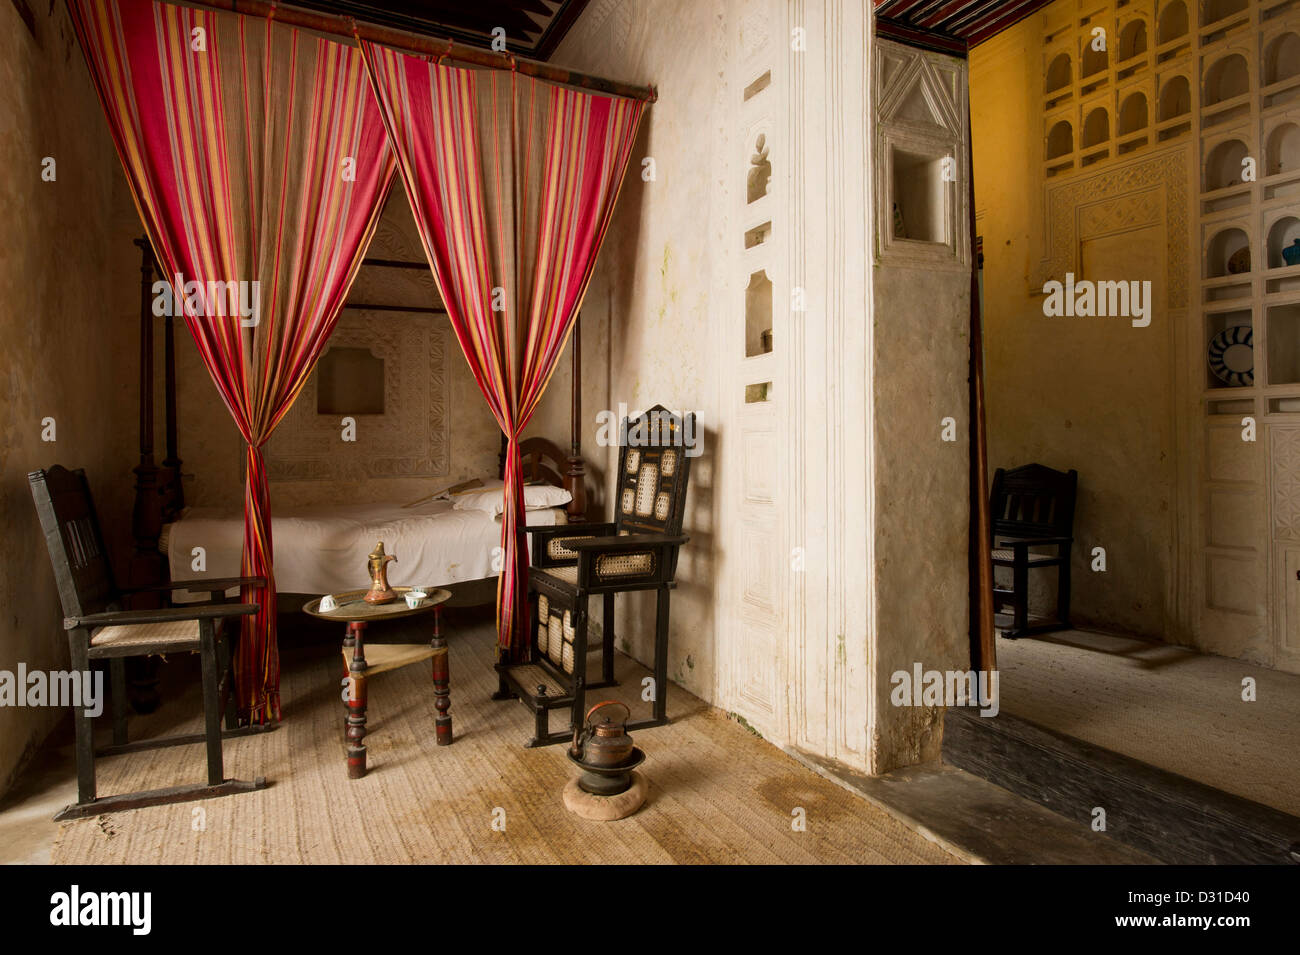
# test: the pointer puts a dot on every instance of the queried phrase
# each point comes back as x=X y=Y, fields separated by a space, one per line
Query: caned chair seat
x=1009 y=556
x=565 y=576
x=144 y=634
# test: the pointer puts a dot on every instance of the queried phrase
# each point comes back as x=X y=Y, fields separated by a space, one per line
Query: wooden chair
x=1033 y=506
x=572 y=563
x=98 y=628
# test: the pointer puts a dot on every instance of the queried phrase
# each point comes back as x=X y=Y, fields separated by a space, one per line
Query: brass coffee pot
x=604 y=744
x=377 y=568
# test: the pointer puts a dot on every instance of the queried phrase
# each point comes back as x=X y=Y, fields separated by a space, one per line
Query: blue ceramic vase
x=1291 y=254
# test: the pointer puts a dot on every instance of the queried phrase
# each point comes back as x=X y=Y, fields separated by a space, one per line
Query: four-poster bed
x=252 y=201
x=440 y=545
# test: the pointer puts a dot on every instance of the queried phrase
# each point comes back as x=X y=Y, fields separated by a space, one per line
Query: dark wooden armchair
x=98 y=628
x=1032 y=506
x=575 y=562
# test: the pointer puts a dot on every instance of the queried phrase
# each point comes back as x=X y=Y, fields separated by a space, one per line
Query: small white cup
x=414 y=598
x=327 y=604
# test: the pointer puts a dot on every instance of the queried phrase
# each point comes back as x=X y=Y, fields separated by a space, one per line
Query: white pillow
x=490 y=499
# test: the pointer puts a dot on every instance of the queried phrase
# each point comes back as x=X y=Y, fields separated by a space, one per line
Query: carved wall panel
x=1121 y=197
x=409 y=440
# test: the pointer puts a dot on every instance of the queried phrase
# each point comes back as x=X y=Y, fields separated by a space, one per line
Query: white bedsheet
x=320 y=550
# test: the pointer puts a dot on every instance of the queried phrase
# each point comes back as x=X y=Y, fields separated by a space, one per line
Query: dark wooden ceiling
x=533 y=27
x=950 y=25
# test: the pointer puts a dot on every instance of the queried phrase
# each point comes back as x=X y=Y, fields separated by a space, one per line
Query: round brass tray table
x=360 y=662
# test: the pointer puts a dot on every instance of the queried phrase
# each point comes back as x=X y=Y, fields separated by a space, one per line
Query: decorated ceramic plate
x=1232 y=356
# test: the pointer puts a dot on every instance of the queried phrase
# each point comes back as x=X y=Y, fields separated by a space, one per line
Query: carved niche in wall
x=1125 y=196
x=409 y=440
x=920 y=162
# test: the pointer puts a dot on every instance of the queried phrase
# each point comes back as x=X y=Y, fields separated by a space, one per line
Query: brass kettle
x=604 y=744
x=377 y=568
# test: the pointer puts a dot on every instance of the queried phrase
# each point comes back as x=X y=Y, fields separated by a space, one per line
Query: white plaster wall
x=69 y=331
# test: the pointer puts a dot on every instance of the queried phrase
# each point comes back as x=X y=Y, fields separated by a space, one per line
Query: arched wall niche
x=1060 y=140
x=1282 y=152
x=1282 y=58
x=1221 y=248
x=1132 y=114
x=1132 y=39
x=1096 y=128
x=1282 y=234
x=1226 y=78
x=1173 y=21
x=1175 y=98
x=1223 y=164
x=1058 y=73
x=1093 y=61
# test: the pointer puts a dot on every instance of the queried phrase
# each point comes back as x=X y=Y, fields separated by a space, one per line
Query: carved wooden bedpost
x=574 y=479
x=148 y=567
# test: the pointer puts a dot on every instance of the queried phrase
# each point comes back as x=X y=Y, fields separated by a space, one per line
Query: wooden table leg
x=441 y=682
x=356 y=733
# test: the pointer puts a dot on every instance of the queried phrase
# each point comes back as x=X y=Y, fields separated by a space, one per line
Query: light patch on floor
x=1171 y=707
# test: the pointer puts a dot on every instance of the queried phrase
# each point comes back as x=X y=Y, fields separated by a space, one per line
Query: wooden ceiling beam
x=349 y=28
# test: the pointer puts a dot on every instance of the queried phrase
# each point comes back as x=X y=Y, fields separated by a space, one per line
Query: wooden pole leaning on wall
x=443 y=49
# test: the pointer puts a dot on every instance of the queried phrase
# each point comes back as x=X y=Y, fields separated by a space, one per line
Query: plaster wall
x=921 y=292
x=1094 y=394
x=653 y=292
x=69 y=336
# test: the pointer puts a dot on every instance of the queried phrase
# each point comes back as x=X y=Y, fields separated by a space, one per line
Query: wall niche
x=1282 y=234
x=1228 y=253
x=1283 y=151
x=1282 y=58
x=758 y=314
x=1133 y=40
x=349 y=381
x=1223 y=165
x=1175 y=98
x=1058 y=74
x=1060 y=140
x=1133 y=114
x=1226 y=79
x=759 y=178
x=1173 y=22
x=920 y=194
x=1096 y=129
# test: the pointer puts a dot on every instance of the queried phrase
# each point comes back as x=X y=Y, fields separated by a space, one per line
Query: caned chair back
x=1033 y=501
x=653 y=467
x=81 y=566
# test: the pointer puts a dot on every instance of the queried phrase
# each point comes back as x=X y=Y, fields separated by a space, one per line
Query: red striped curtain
x=512 y=181
x=255 y=153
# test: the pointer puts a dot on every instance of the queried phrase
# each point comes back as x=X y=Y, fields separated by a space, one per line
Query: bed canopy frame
x=160 y=492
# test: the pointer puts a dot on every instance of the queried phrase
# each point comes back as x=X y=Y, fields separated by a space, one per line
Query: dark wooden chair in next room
x=99 y=628
x=1031 y=507
x=571 y=563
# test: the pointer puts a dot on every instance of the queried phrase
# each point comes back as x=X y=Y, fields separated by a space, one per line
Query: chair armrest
x=543 y=534
x=213 y=584
x=569 y=530
x=602 y=545
x=197 y=585
x=166 y=615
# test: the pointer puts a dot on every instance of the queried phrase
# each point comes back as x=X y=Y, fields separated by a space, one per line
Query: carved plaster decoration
x=1284 y=447
x=921 y=163
x=1124 y=196
x=410 y=440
